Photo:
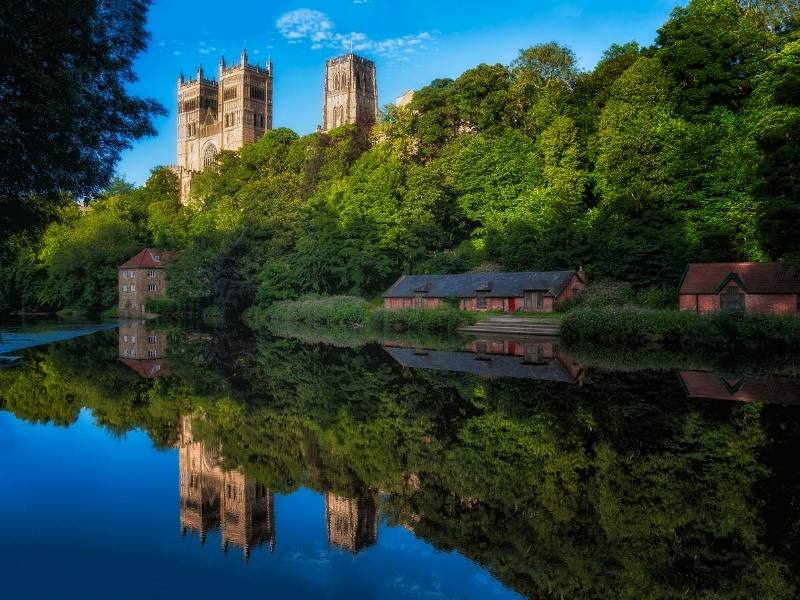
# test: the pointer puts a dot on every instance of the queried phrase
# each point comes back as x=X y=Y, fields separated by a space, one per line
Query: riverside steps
x=516 y=326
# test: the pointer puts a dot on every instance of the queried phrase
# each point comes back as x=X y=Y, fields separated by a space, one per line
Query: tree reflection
x=623 y=486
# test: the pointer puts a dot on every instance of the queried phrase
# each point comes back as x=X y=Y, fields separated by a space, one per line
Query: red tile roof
x=150 y=368
x=758 y=278
x=778 y=390
x=146 y=259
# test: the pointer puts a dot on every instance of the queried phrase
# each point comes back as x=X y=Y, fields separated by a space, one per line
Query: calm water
x=159 y=462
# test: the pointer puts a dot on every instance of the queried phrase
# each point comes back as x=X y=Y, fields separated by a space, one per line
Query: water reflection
x=627 y=484
x=212 y=498
x=143 y=349
x=744 y=388
x=496 y=357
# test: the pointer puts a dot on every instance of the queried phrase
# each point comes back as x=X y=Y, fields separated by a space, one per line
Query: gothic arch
x=209 y=155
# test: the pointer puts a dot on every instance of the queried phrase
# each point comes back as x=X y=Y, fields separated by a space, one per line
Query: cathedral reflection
x=243 y=510
x=352 y=522
x=212 y=498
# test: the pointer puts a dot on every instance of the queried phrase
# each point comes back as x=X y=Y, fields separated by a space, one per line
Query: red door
x=512 y=305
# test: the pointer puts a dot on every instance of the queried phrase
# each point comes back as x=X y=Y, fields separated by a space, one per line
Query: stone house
x=143 y=350
x=772 y=288
x=139 y=279
x=537 y=291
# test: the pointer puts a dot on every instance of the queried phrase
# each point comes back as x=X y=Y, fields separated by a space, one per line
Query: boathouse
x=535 y=291
x=139 y=279
x=741 y=287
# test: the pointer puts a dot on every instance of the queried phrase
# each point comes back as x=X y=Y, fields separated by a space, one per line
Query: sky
x=411 y=41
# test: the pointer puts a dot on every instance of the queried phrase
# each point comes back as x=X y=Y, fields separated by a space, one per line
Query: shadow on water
x=560 y=472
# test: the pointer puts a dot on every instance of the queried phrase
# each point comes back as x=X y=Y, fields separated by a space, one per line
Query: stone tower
x=351 y=92
x=223 y=114
x=352 y=522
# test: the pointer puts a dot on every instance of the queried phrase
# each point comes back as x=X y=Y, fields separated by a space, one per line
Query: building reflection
x=497 y=357
x=143 y=350
x=749 y=388
x=212 y=498
x=352 y=523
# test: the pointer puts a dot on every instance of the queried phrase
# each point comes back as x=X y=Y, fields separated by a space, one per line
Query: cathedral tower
x=351 y=92
x=223 y=114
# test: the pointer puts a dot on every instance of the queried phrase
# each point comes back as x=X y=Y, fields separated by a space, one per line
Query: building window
x=133 y=339
x=481 y=302
x=732 y=300
x=151 y=354
x=151 y=339
x=157 y=258
x=151 y=274
x=124 y=288
x=152 y=287
x=262 y=121
x=124 y=338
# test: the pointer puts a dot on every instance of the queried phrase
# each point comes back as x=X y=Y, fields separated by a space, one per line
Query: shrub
x=165 y=307
x=636 y=327
x=329 y=310
x=440 y=320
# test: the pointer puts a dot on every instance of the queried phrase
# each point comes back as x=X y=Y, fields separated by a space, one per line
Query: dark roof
x=146 y=259
x=150 y=368
x=777 y=390
x=467 y=285
x=490 y=366
x=754 y=278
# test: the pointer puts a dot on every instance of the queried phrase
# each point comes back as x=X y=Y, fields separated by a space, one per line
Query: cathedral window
x=262 y=121
x=209 y=155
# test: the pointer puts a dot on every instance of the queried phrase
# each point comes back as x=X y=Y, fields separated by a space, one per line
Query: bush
x=439 y=320
x=110 y=313
x=166 y=307
x=328 y=310
x=636 y=327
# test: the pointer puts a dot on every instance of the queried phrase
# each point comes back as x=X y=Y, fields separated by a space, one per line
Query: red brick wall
x=572 y=290
x=395 y=303
x=777 y=304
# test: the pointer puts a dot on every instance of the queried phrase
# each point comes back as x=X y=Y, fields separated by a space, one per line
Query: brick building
x=139 y=279
x=508 y=292
x=741 y=287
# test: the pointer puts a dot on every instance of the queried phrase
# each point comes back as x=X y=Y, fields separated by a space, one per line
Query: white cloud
x=317 y=29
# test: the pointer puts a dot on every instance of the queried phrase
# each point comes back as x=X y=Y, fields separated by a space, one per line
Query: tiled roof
x=146 y=259
x=467 y=285
x=757 y=278
x=149 y=368
x=774 y=390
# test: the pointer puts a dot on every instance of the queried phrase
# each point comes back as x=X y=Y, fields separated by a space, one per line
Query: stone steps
x=530 y=326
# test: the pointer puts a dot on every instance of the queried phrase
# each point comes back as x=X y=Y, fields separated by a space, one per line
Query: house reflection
x=212 y=498
x=143 y=350
x=749 y=388
x=352 y=522
x=497 y=357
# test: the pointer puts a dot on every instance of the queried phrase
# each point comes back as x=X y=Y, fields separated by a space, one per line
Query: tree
x=66 y=114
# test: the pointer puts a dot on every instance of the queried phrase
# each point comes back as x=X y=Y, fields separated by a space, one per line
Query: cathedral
x=236 y=109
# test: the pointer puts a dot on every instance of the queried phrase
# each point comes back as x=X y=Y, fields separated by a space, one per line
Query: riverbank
x=634 y=327
x=354 y=312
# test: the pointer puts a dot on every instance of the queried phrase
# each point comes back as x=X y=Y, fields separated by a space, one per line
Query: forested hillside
x=688 y=150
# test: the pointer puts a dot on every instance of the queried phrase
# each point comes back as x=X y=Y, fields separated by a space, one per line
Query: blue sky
x=411 y=41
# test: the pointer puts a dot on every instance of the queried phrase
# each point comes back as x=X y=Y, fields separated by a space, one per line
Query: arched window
x=209 y=156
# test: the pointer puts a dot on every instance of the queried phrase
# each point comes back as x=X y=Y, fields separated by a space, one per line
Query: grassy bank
x=354 y=312
x=633 y=327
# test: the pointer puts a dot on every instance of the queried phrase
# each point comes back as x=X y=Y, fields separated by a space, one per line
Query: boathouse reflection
x=497 y=357
x=748 y=388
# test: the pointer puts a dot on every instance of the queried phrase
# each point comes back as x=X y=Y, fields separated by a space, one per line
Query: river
x=157 y=461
